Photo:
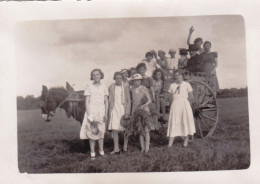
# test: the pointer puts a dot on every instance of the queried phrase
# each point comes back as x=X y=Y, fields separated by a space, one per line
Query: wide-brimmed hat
x=94 y=127
x=124 y=121
x=137 y=77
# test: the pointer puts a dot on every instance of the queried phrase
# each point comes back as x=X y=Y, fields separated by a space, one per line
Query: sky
x=52 y=52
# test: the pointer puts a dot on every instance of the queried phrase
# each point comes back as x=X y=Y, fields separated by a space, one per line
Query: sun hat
x=94 y=127
x=137 y=77
x=124 y=121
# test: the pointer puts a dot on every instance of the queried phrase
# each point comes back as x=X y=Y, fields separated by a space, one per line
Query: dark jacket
x=194 y=64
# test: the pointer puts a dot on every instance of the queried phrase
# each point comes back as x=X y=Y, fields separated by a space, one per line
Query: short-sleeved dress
x=118 y=111
x=207 y=60
x=97 y=111
x=181 y=121
x=150 y=67
x=138 y=96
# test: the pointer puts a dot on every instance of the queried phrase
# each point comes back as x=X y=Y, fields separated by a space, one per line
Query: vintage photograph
x=157 y=94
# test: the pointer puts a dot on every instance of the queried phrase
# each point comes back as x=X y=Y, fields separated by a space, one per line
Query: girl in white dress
x=181 y=121
x=119 y=106
x=94 y=123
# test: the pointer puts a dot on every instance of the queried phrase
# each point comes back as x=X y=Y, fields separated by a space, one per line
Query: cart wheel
x=205 y=108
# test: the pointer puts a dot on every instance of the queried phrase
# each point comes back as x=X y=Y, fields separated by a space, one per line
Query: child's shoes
x=92 y=156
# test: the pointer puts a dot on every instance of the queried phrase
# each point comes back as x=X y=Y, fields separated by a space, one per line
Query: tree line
x=30 y=102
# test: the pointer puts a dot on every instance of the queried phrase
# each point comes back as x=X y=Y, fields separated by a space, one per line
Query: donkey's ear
x=44 y=92
x=69 y=88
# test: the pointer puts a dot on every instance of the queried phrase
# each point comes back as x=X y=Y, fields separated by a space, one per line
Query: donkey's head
x=50 y=100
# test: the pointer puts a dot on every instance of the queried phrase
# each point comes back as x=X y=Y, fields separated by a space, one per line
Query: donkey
x=73 y=102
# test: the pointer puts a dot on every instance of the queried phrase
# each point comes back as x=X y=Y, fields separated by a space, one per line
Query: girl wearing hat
x=198 y=41
x=119 y=106
x=181 y=121
x=94 y=123
x=148 y=83
x=140 y=101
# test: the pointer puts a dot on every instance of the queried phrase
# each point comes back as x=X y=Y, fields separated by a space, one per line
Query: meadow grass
x=55 y=147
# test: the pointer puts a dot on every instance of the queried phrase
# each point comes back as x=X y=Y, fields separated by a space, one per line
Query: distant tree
x=233 y=92
x=29 y=102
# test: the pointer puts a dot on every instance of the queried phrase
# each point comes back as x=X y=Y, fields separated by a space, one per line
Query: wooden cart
x=205 y=106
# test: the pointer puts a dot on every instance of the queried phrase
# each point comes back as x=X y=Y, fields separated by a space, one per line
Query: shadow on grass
x=77 y=145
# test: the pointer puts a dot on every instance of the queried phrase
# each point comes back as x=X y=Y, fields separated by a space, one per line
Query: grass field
x=55 y=147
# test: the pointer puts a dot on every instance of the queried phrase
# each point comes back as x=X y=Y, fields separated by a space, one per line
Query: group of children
x=134 y=102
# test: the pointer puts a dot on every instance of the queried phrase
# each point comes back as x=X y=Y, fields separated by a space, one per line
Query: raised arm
x=191 y=30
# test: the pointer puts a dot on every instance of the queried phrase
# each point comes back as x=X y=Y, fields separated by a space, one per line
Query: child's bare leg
x=155 y=121
x=125 y=142
x=101 y=144
x=171 y=139
x=141 y=138
x=157 y=103
x=115 y=138
x=92 y=147
x=147 y=141
x=186 y=139
x=162 y=102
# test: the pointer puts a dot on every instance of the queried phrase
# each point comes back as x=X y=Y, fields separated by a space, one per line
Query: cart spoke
x=205 y=124
x=203 y=96
x=209 y=109
x=208 y=100
x=198 y=122
x=206 y=116
x=205 y=108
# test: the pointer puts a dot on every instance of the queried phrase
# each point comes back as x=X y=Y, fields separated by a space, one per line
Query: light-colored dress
x=172 y=63
x=126 y=84
x=97 y=111
x=150 y=66
x=118 y=110
x=181 y=121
